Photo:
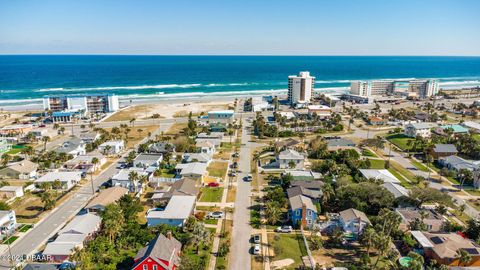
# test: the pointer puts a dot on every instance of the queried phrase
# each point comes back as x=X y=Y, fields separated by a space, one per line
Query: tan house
x=9 y=192
x=105 y=197
x=24 y=170
x=430 y=218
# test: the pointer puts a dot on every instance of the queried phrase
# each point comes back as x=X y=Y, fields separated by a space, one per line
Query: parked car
x=249 y=177
x=235 y=154
x=213 y=184
x=215 y=215
x=122 y=165
x=232 y=174
x=284 y=229
x=256 y=249
x=256 y=238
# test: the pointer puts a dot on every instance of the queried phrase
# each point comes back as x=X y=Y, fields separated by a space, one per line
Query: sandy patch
x=281 y=263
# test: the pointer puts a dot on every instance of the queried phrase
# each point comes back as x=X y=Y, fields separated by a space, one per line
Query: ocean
x=25 y=79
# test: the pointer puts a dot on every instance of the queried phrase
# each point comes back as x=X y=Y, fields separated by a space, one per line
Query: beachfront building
x=300 y=88
x=91 y=103
x=224 y=116
x=8 y=222
x=411 y=88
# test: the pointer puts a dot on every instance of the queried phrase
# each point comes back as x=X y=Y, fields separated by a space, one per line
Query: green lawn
x=397 y=167
x=210 y=221
x=476 y=137
x=10 y=240
x=25 y=228
x=400 y=140
x=419 y=165
x=404 y=182
x=368 y=153
x=377 y=164
x=211 y=194
x=165 y=173
x=16 y=149
x=288 y=246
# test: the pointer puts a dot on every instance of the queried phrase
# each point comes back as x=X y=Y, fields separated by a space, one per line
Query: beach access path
x=52 y=223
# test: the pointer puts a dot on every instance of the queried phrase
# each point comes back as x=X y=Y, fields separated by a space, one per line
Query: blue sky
x=273 y=27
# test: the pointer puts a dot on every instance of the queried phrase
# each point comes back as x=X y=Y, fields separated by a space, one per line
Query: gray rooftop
x=298 y=201
x=445 y=148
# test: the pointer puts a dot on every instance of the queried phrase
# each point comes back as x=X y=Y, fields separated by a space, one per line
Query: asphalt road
x=239 y=255
x=52 y=223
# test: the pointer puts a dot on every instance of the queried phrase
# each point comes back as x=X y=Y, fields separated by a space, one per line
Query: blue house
x=302 y=211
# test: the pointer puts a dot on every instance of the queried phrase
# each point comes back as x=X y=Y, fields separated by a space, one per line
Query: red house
x=162 y=253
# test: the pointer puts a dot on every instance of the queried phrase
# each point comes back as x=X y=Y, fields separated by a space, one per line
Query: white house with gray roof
x=423 y=129
x=177 y=211
x=390 y=182
x=290 y=157
x=67 y=179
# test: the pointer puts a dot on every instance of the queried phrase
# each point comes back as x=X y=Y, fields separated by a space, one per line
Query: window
x=155 y=267
x=145 y=267
x=297 y=212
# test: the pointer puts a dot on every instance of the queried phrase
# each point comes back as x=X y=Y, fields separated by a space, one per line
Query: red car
x=213 y=184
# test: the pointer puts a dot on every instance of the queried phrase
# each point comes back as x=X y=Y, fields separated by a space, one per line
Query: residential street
x=240 y=251
x=55 y=220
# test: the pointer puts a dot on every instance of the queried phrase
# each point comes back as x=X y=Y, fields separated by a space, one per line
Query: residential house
x=147 y=160
x=5 y=146
x=194 y=170
x=176 y=213
x=454 y=129
x=84 y=163
x=15 y=130
x=433 y=221
x=390 y=182
x=162 y=253
x=90 y=136
x=423 y=129
x=353 y=222
x=122 y=179
x=8 y=222
x=205 y=147
x=321 y=111
x=23 y=170
x=314 y=195
x=74 y=147
x=182 y=187
x=290 y=159
x=377 y=121
x=217 y=127
x=161 y=148
x=11 y=192
x=197 y=157
x=443 y=247
x=285 y=144
x=67 y=179
x=75 y=234
x=224 y=116
x=443 y=150
x=104 y=198
x=302 y=211
x=473 y=126
x=39 y=133
x=211 y=135
x=456 y=164
x=112 y=147
x=335 y=144
x=308 y=184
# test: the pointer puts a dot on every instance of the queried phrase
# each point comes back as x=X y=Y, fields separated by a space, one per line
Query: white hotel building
x=411 y=88
x=300 y=88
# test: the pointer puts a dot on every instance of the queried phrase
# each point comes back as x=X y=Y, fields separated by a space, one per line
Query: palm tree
x=328 y=192
x=45 y=139
x=133 y=176
x=367 y=238
x=6 y=158
x=112 y=220
x=463 y=257
x=273 y=212
x=132 y=122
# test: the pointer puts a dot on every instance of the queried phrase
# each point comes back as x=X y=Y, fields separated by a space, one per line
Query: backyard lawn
x=217 y=169
x=419 y=165
x=368 y=153
x=287 y=246
x=400 y=140
x=211 y=194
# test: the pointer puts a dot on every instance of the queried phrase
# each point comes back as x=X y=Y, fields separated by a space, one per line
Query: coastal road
x=240 y=252
x=54 y=221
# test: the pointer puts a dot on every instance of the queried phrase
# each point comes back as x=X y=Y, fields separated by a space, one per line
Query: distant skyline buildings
x=416 y=88
x=188 y=27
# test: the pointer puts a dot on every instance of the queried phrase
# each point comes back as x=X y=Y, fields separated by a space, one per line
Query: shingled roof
x=160 y=249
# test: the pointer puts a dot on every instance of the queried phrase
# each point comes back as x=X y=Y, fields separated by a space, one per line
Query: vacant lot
x=211 y=194
x=217 y=169
x=401 y=141
x=287 y=246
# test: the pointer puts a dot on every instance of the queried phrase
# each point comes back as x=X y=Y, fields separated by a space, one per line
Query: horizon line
x=239 y=55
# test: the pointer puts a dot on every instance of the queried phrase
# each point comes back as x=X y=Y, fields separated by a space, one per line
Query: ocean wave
x=459 y=83
x=137 y=87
